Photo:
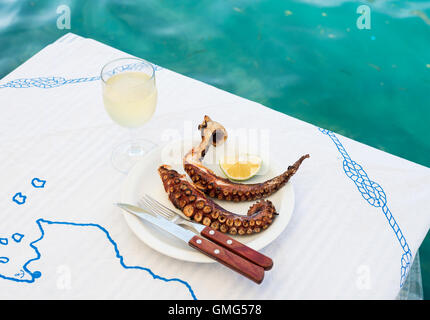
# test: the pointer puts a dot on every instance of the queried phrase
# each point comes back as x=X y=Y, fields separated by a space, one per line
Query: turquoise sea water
x=305 y=58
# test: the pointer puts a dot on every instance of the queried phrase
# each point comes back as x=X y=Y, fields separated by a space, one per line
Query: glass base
x=125 y=155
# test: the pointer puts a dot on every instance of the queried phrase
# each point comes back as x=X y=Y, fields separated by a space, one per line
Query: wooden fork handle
x=238 y=248
x=228 y=258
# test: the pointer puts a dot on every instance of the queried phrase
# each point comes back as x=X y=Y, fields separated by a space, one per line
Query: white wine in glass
x=130 y=99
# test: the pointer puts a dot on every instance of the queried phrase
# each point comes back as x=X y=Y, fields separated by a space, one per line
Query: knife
x=212 y=250
x=177 y=217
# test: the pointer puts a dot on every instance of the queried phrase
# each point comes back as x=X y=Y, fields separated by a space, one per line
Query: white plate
x=144 y=178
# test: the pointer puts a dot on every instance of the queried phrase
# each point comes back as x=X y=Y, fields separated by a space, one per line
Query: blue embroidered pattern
x=38 y=183
x=4 y=259
x=44 y=82
x=19 y=198
x=373 y=193
x=37 y=274
x=54 y=82
x=17 y=237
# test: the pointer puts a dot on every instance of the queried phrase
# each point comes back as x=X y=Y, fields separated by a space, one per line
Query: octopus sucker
x=205 y=211
x=221 y=188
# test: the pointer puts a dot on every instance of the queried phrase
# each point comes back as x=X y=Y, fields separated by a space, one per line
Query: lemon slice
x=242 y=167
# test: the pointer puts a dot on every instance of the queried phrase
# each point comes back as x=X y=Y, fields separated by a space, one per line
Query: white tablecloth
x=360 y=214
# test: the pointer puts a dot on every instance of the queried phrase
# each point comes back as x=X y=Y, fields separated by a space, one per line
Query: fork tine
x=151 y=200
x=145 y=205
x=154 y=209
x=156 y=202
x=160 y=205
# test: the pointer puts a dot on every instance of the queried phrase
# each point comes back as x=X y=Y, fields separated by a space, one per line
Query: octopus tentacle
x=195 y=205
x=217 y=187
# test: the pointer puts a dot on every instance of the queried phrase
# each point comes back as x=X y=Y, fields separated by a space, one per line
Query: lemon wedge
x=240 y=168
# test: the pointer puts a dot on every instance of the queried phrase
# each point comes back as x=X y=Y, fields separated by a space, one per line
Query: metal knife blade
x=228 y=258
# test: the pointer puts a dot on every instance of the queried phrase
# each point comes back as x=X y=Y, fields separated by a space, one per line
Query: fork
x=178 y=218
x=221 y=239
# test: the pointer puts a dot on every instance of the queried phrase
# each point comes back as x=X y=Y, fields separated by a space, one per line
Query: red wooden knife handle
x=228 y=258
x=238 y=248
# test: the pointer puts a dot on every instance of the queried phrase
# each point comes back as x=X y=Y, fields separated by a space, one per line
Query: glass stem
x=135 y=148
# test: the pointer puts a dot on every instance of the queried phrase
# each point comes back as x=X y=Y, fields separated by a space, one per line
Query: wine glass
x=130 y=99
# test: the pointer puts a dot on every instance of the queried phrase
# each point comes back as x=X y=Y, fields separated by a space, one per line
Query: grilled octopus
x=217 y=187
x=195 y=205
